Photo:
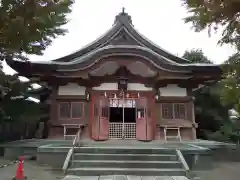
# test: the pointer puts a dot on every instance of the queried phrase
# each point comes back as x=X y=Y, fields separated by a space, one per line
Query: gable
x=123 y=38
x=122 y=33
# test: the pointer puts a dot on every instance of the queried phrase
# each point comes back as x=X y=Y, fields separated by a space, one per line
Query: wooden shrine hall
x=121 y=86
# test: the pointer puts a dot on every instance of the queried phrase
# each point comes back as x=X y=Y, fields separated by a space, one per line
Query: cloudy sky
x=160 y=21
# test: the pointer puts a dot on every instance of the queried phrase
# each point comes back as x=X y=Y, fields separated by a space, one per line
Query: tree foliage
x=215 y=14
x=14 y=104
x=196 y=56
x=210 y=114
x=231 y=83
x=28 y=26
x=18 y=115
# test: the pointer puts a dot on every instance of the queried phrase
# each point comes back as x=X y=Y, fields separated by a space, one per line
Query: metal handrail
x=76 y=141
x=182 y=160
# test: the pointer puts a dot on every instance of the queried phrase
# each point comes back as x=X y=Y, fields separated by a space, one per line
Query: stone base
x=51 y=155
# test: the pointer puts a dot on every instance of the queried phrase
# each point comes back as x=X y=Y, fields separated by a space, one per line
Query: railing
x=76 y=142
x=183 y=161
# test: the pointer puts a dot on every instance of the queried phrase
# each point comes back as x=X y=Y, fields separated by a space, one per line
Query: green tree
x=215 y=15
x=231 y=83
x=210 y=113
x=18 y=115
x=13 y=90
x=196 y=56
x=28 y=26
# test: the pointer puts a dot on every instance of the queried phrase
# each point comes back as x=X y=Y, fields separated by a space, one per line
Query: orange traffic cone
x=20 y=170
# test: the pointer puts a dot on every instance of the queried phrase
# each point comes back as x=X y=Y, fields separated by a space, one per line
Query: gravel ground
x=31 y=170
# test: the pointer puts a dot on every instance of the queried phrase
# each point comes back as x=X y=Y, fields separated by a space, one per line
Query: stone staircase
x=94 y=161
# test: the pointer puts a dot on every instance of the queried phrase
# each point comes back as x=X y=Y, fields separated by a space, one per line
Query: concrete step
x=125 y=171
x=123 y=150
x=124 y=177
x=125 y=164
x=125 y=157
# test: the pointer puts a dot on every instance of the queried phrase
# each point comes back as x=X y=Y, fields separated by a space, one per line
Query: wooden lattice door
x=143 y=122
x=100 y=123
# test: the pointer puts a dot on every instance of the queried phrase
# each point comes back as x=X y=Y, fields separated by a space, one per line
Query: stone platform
x=13 y=150
x=194 y=144
x=53 y=151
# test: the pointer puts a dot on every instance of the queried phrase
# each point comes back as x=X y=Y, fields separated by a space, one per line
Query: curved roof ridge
x=153 y=43
x=200 y=64
x=145 y=46
x=122 y=21
x=112 y=50
x=85 y=47
x=83 y=58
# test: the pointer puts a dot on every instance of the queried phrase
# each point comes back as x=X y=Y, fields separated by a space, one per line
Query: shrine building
x=121 y=86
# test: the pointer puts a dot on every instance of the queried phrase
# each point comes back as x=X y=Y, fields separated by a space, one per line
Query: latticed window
x=77 y=109
x=71 y=110
x=179 y=111
x=173 y=111
x=65 y=110
x=167 y=111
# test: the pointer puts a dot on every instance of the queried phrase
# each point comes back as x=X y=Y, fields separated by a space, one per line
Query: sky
x=158 y=20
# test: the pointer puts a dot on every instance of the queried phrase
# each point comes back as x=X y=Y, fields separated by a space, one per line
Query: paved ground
x=221 y=171
x=31 y=170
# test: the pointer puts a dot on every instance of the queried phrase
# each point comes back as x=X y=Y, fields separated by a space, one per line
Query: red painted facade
x=145 y=122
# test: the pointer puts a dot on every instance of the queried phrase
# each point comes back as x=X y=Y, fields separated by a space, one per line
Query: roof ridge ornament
x=123 y=10
x=123 y=17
